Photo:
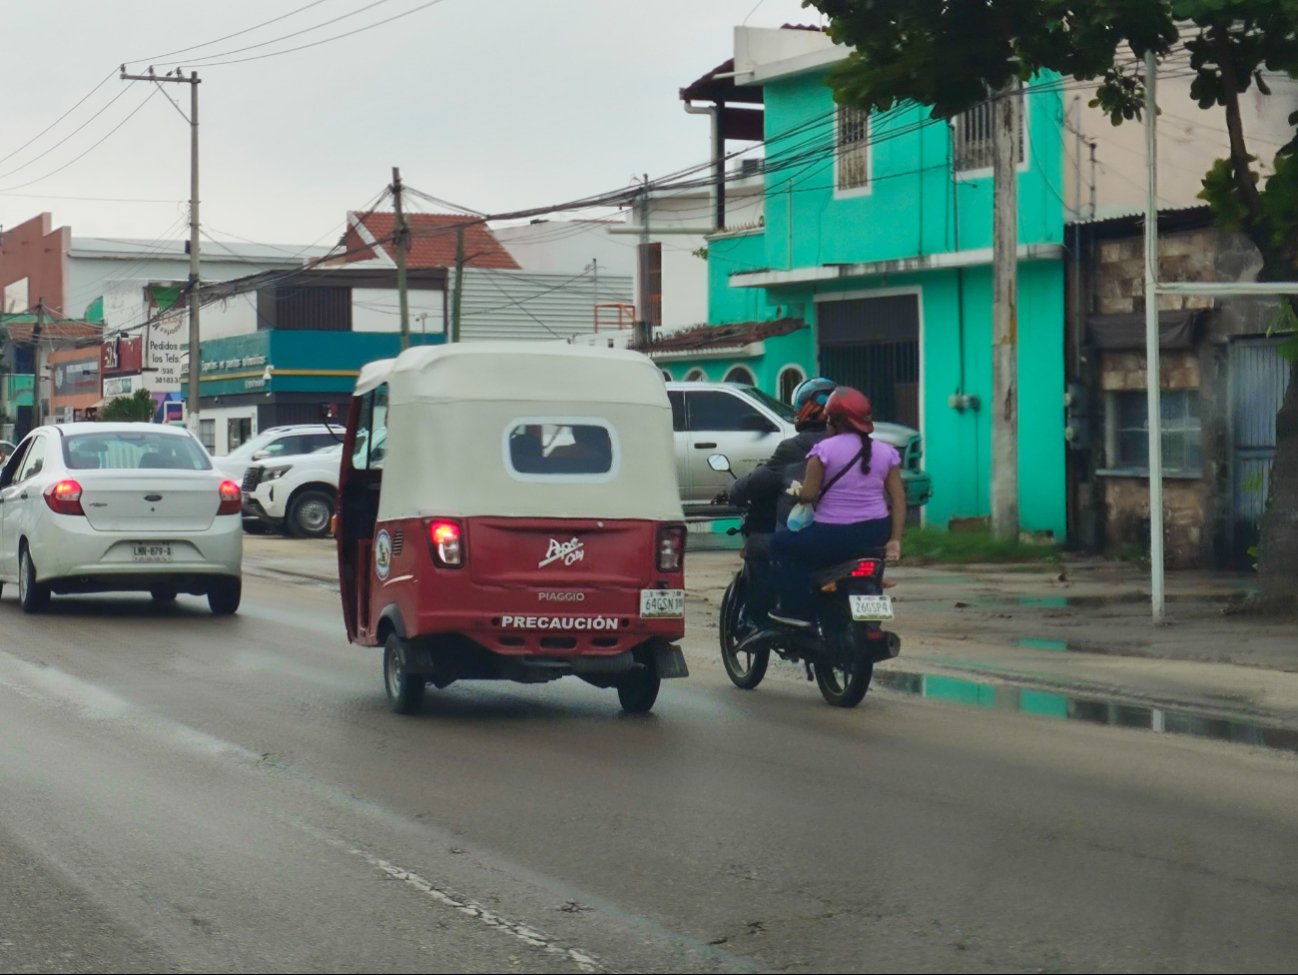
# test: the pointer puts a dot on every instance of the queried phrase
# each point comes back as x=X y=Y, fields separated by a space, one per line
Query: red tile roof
x=18 y=328
x=432 y=240
x=723 y=336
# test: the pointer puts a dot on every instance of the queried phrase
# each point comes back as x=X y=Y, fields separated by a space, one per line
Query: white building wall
x=379 y=310
x=567 y=246
x=500 y=305
x=221 y=417
x=1190 y=139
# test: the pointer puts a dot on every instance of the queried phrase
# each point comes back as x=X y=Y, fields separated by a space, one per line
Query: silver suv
x=747 y=425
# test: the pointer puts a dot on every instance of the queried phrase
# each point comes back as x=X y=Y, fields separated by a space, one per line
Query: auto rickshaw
x=510 y=511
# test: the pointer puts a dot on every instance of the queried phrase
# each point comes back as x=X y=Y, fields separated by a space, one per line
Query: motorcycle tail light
x=867 y=569
x=671 y=548
x=64 y=498
x=231 y=499
x=446 y=544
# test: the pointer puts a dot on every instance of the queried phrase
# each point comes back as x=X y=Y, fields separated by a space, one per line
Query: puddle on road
x=1072 y=646
x=1047 y=704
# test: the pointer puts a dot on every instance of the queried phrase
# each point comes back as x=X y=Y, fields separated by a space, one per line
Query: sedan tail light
x=64 y=498
x=446 y=544
x=671 y=548
x=231 y=499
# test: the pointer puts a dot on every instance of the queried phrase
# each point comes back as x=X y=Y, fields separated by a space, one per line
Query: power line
x=217 y=40
x=205 y=63
x=56 y=145
x=96 y=145
x=47 y=128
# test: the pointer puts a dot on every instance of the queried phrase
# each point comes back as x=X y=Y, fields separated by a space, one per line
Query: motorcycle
x=844 y=643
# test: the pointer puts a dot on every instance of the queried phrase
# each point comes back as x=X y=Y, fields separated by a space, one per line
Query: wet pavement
x=1077 y=632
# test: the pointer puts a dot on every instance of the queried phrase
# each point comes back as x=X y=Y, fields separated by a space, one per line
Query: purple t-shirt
x=856 y=496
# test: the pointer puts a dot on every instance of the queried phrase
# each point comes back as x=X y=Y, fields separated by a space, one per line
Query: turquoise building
x=876 y=244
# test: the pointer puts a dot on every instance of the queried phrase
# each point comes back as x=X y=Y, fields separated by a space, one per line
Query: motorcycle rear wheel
x=744 y=668
x=843 y=685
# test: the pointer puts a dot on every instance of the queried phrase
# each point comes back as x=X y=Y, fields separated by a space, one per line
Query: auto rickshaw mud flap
x=669 y=661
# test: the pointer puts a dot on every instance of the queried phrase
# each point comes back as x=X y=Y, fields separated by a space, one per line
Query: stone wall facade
x=1112 y=278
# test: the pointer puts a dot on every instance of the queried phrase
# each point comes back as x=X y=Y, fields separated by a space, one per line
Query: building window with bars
x=974 y=140
x=853 y=148
x=1127 y=431
x=207 y=434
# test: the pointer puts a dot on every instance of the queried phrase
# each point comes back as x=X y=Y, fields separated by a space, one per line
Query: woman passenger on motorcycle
x=862 y=510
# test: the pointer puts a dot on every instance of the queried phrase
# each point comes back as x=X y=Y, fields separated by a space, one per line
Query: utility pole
x=642 y=330
x=1005 y=326
x=594 y=271
x=36 y=354
x=402 y=234
x=193 y=300
x=1153 y=365
x=459 y=282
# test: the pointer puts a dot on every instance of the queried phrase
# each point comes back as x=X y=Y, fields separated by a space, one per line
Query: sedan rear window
x=129 y=450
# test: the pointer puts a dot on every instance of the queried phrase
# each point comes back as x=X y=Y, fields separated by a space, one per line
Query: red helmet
x=850 y=407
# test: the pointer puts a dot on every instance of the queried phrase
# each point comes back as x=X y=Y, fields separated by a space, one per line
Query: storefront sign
x=120 y=386
x=168 y=349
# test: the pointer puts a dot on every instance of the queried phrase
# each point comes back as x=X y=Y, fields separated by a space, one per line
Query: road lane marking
x=584 y=960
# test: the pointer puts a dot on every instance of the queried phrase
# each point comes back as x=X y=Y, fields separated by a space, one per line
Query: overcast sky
x=494 y=104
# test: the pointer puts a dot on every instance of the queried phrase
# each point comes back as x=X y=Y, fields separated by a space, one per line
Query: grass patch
x=933 y=545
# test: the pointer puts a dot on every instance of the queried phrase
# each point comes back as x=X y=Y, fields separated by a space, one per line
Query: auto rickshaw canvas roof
x=531 y=372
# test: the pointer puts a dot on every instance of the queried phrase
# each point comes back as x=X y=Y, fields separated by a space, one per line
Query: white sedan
x=105 y=507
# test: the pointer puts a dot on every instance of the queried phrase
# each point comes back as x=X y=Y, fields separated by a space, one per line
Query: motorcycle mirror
x=719 y=463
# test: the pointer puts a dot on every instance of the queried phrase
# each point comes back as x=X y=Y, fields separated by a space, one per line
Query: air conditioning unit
x=751 y=167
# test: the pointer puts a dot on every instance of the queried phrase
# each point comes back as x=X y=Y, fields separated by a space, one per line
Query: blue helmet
x=809 y=401
x=817 y=389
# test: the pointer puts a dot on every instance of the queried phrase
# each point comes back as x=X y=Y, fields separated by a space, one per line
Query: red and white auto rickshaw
x=511 y=511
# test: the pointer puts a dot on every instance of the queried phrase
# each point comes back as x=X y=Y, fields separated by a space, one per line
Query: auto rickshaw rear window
x=560 y=448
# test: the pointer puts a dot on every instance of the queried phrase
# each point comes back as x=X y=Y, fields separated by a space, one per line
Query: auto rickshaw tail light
x=671 y=548
x=231 y=499
x=446 y=544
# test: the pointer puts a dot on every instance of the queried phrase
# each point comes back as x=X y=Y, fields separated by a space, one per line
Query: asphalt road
x=185 y=793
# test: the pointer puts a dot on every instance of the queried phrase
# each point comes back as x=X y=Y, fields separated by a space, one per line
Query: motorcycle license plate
x=871 y=608
x=662 y=603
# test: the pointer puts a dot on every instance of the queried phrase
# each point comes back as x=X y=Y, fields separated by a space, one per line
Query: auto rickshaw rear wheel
x=405 y=690
x=638 y=690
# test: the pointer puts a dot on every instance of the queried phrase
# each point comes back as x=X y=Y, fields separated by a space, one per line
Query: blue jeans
x=799 y=554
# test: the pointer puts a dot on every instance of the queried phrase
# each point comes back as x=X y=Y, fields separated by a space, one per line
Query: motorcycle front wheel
x=744 y=668
x=844 y=685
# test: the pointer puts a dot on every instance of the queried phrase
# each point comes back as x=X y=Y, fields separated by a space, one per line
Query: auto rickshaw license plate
x=871 y=608
x=662 y=603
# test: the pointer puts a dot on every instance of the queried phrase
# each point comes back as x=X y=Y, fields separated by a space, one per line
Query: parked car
x=275 y=442
x=294 y=494
x=746 y=425
x=107 y=507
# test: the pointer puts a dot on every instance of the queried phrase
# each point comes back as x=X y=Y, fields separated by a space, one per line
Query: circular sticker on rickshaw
x=383 y=554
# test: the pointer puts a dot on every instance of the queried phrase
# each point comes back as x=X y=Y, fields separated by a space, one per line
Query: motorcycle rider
x=764 y=491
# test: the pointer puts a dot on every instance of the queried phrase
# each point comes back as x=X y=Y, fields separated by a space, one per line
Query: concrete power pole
x=1005 y=314
x=193 y=300
x=402 y=235
x=642 y=328
x=37 y=364
x=458 y=298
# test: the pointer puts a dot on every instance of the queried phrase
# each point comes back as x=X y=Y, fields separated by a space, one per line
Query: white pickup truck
x=294 y=494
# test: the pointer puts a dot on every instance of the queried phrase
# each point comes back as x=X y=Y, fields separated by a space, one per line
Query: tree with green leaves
x=138 y=406
x=949 y=53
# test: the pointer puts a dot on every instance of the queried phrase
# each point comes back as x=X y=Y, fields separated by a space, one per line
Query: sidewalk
x=1079 y=632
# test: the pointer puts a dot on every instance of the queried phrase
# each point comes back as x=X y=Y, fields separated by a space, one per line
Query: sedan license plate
x=151 y=551
x=662 y=603
x=871 y=608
